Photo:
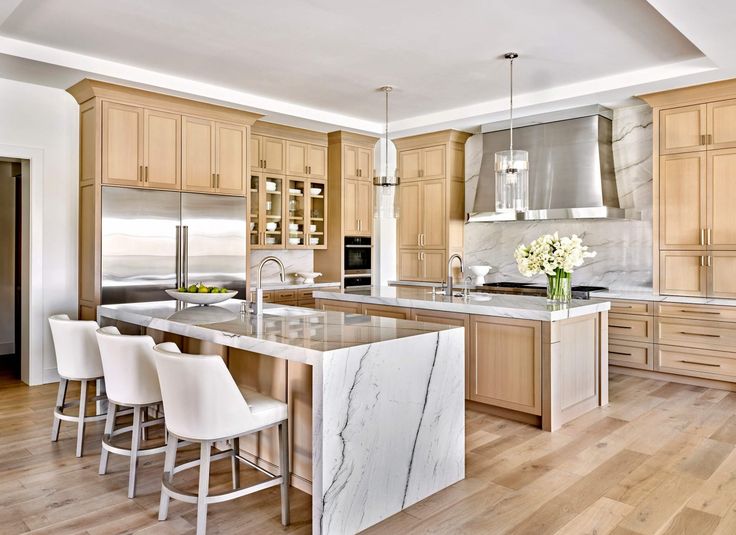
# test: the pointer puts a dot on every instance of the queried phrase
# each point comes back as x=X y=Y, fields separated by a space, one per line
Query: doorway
x=11 y=279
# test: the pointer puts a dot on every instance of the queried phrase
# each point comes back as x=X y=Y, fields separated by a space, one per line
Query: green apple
x=182 y=290
x=204 y=290
x=192 y=289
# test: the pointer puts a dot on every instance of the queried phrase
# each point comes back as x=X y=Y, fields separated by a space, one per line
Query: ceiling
x=319 y=62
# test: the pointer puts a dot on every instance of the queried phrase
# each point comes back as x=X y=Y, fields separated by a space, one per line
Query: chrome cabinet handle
x=709 y=261
x=419 y=240
x=702 y=261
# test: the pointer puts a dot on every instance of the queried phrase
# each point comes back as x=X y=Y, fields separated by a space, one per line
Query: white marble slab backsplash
x=294 y=260
x=624 y=247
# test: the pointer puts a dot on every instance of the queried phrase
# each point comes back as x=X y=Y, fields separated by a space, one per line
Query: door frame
x=32 y=309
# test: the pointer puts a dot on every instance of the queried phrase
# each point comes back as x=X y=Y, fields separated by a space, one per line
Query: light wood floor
x=659 y=460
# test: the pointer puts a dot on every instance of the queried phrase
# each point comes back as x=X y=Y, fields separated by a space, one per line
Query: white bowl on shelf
x=270 y=186
x=295 y=191
x=315 y=191
x=270 y=240
x=295 y=241
x=293 y=226
x=308 y=276
x=271 y=226
x=313 y=241
x=479 y=273
x=312 y=228
x=201 y=299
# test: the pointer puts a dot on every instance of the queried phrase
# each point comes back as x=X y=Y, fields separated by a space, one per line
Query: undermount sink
x=289 y=312
x=472 y=296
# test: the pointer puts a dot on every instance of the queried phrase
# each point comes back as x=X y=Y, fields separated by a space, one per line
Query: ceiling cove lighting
x=512 y=166
x=387 y=199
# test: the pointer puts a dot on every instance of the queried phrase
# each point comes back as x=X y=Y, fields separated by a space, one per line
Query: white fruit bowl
x=308 y=276
x=480 y=273
x=201 y=299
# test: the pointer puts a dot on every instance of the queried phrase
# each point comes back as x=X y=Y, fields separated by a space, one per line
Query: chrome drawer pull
x=621 y=326
x=701 y=334
x=619 y=353
x=700 y=363
x=700 y=312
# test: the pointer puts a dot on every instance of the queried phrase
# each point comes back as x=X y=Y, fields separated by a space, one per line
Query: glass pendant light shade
x=386 y=198
x=512 y=166
x=512 y=181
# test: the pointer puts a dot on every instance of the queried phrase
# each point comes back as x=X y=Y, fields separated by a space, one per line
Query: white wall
x=39 y=117
x=7 y=259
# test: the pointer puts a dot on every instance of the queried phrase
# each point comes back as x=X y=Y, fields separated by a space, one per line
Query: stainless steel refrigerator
x=154 y=240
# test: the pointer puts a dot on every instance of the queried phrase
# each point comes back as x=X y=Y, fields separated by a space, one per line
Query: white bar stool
x=203 y=404
x=77 y=359
x=131 y=380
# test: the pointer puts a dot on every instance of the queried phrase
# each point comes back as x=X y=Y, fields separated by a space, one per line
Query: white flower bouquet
x=557 y=258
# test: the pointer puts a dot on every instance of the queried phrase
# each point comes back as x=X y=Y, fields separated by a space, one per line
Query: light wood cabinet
x=339 y=306
x=683 y=201
x=358 y=207
x=161 y=149
x=721 y=267
x=433 y=165
x=399 y=313
x=721 y=197
x=268 y=154
x=506 y=363
x=422 y=265
x=424 y=163
x=305 y=159
x=317 y=161
x=631 y=354
x=630 y=327
x=410 y=164
x=721 y=124
x=419 y=204
x=358 y=162
x=410 y=209
x=682 y=273
x=267 y=221
x=215 y=156
x=122 y=144
x=682 y=129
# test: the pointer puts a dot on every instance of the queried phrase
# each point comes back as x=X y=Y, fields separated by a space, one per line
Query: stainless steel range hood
x=571 y=172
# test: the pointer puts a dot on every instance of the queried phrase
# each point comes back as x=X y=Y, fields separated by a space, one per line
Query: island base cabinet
x=506 y=363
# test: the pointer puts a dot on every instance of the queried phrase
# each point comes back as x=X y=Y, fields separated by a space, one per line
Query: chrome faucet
x=257 y=305
x=449 y=271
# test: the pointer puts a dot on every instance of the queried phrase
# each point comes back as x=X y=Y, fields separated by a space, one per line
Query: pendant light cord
x=387 y=91
x=511 y=104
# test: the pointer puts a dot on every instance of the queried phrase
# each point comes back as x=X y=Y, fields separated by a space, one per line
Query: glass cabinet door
x=272 y=236
x=317 y=210
x=296 y=206
x=254 y=223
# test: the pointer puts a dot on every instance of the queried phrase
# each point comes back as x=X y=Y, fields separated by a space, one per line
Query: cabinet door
x=409 y=219
x=296 y=158
x=122 y=144
x=434 y=265
x=317 y=214
x=256 y=199
x=198 y=149
x=384 y=311
x=350 y=207
x=231 y=158
x=506 y=363
x=410 y=265
x=364 y=208
x=682 y=129
x=682 y=197
x=256 y=154
x=409 y=164
x=721 y=280
x=350 y=161
x=682 y=273
x=721 y=188
x=317 y=161
x=365 y=164
x=433 y=164
x=162 y=149
x=433 y=214
x=722 y=124
x=273 y=152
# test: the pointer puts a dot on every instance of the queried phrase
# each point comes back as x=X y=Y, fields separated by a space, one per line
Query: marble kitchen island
x=386 y=415
x=526 y=359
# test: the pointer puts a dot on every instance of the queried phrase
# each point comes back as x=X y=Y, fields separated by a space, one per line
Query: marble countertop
x=304 y=338
x=295 y=285
x=486 y=304
x=648 y=295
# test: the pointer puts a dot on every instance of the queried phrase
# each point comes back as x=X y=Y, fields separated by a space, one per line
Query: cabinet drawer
x=624 y=306
x=339 y=306
x=631 y=354
x=696 y=362
x=281 y=296
x=696 y=333
x=384 y=311
x=268 y=296
x=306 y=293
x=701 y=312
x=306 y=303
x=634 y=328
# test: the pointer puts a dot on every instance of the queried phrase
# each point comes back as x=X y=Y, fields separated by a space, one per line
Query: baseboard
x=509 y=414
x=674 y=378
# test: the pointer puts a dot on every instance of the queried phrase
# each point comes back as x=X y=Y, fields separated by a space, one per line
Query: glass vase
x=559 y=287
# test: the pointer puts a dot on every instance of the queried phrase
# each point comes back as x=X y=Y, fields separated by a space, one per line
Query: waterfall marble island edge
x=387 y=403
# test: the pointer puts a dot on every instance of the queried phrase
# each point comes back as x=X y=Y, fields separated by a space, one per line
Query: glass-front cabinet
x=287 y=212
x=266 y=211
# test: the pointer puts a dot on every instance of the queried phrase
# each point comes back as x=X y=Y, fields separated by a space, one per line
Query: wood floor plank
x=689 y=521
x=600 y=518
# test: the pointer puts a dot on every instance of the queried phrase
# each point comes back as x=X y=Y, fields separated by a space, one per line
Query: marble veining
x=501 y=305
x=295 y=260
x=388 y=410
x=624 y=247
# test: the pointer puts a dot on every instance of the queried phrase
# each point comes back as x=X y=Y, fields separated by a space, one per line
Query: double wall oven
x=357 y=262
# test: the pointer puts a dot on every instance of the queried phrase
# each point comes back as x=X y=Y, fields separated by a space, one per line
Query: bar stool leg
x=169 y=463
x=134 y=446
x=236 y=463
x=285 y=471
x=60 y=399
x=82 y=414
x=109 y=428
x=204 y=486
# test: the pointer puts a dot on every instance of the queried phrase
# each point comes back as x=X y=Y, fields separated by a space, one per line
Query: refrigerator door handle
x=179 y=278
x=185 y=255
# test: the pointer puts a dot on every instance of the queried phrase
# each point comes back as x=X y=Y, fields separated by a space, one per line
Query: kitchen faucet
x=449 y=271
x=257 y=305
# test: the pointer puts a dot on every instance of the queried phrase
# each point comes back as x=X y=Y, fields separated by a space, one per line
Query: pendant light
x=512 y=166
x=387 y=199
